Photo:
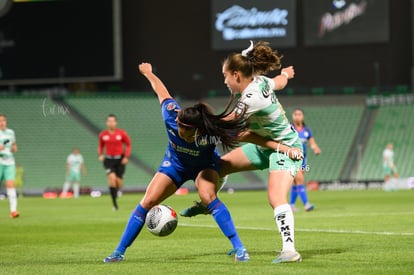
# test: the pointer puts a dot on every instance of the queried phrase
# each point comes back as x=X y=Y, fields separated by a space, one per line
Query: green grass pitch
x=350 y=232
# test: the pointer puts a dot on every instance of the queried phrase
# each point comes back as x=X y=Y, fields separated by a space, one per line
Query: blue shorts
x=180 y=177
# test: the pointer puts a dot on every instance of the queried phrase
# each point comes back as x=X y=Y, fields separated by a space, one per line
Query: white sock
x=11 y=194
x=285 y=222
x=66 y=187
x=76 y=189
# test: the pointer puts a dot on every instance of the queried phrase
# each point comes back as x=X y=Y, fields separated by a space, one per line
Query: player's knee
x=207 y=197
x=10 y=184
x=148 y=203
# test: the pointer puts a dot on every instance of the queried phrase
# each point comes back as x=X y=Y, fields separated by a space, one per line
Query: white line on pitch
x=308 y=230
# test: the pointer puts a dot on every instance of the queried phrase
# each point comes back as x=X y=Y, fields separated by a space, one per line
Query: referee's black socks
x=114 y=195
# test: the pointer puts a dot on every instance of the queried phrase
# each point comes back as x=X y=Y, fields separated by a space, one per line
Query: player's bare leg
x=232 y=162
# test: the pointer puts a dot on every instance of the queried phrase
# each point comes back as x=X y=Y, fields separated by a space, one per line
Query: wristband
x=285 y=74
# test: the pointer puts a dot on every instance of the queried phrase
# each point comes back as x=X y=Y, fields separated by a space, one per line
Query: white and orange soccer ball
x=161 y=220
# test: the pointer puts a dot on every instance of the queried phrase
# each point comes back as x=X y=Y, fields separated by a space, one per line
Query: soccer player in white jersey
x=8 y=146
x=74 y=166
x=243 y=74
x=389 y=168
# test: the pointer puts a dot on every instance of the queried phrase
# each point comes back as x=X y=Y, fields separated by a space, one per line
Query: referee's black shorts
x=114 y=165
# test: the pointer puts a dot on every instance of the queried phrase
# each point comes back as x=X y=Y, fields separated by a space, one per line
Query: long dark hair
x=201 y=117
x=260 y=60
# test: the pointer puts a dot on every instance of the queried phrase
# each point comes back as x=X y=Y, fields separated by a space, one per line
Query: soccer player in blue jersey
x=305 y=135
x=190 y=156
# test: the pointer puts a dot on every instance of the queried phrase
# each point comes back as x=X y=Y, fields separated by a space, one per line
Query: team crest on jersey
x=240 y=108
x=118 y=137
x=201 y=140
x=166 y=163
x=105 y=137
x=170 y=106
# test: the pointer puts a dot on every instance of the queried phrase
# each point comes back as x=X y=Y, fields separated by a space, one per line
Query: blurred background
x=65 y=65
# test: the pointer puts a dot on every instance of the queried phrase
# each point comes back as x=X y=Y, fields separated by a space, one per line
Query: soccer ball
x=161 y=220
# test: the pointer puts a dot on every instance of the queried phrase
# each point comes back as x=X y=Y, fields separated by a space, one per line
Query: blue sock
x=132 y=229
x=222 y=217
x=302 y=193
x=293 y=194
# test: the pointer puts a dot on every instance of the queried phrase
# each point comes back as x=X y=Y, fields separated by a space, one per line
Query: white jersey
x=388 y=157
x=7 y=138
x=74 y=162
x=266 y=116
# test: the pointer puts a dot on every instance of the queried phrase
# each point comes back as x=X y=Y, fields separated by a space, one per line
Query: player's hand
x=317 y=151
x=295 y=154
x=1 y=147
x=101 y=158
x=290 y=72
x=124 y=161
x=145 y=68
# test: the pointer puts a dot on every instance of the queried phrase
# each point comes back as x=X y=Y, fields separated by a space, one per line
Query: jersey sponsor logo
x=105 y=137
x=280 y=162
x=166 y=163
x=170 y=106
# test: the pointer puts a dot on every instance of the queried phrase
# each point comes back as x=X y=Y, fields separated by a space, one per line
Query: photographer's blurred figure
x=74 y=166
x=8 y=146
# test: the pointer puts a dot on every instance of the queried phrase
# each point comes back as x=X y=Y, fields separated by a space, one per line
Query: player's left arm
x=282 y=80
x=127 y=142
x=83 y=167
x=67 y=168
x=14 y=147
x=314 y=146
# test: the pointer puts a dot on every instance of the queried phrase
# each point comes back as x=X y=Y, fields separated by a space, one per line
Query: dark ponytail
x=201 y=116
x=260 y=60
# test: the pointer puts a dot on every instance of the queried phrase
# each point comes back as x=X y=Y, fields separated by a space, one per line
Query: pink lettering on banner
x=330 y=22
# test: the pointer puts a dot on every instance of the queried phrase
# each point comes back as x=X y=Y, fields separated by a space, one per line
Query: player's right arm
x=100 y=148
x=159 y=88
x=67 y=165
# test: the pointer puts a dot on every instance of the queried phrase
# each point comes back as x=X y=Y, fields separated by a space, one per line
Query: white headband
x=249 y=49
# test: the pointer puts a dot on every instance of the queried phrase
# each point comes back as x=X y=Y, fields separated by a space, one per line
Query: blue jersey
x=304 y=134
x=183 y=161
